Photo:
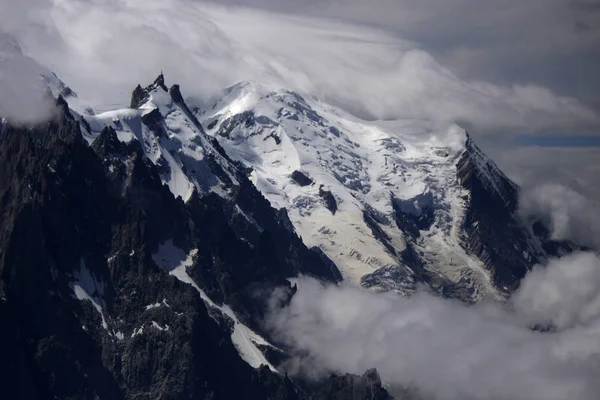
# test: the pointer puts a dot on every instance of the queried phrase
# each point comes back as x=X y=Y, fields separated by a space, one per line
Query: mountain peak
x=140 y=95
x=403 y=191
x=160 y=82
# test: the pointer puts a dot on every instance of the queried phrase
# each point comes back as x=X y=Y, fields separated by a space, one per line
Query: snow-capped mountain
x=392 y=203
x=193 y=166
x=140 y=246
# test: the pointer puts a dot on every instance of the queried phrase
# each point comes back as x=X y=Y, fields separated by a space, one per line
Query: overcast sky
x=451 y=351
x=554 y=43
x=467 y=60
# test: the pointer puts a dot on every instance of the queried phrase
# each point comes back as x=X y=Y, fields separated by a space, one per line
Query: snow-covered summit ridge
x=388 y=201
x=375 y=171
x=384 y=199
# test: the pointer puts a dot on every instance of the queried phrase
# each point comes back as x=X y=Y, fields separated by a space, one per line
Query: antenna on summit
x=160 y=81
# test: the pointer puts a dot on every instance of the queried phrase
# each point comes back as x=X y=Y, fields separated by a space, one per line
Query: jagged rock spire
x=140 y=95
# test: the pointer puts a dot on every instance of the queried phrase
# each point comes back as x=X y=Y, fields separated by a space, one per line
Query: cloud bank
x=450 y=351
x=102 y=47
x=551 y=43
x=569 y=214
x=566 y=292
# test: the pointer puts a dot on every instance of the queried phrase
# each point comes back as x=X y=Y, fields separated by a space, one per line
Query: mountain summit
x=392 y=203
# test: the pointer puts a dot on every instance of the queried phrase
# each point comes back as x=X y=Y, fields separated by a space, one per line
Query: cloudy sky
x=553 y=43
x=530 y=65
x=512 y=72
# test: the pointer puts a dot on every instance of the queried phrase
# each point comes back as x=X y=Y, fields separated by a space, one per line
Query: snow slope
x=368 y=166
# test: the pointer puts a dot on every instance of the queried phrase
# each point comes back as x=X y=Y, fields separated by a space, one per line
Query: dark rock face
x=492 y=231
x=246 y=119
x=335 y=272
x=273 y=136
x=353 y=387
x=392 y=277
x=414 y=215
x=329 y=199
x=301 y=178
x=86 y=311
x=140 y=95
x=374 y=220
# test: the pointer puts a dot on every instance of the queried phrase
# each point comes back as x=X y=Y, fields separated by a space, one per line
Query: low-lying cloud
x=569 y=214
x=101 y=48
x=451 y=351
x=566 y=292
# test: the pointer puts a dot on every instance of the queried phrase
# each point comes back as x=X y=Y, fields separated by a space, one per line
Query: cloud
x=452 y=351
x=23 y=94
x=560 y=183
x=564 y=292
x=569 y=214
x=529 y=41
x=102 y=47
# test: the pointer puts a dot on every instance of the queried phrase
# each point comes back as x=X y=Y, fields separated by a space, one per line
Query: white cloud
x=23 y=94
x=452 y=351
x=565 y=292
x=530 y=166
x=569 y=214
x=550 y=43
x=101 y=48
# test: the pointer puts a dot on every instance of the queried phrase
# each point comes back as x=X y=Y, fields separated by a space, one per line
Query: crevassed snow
x=86 y=288
x=361 y=163
x=244 y=339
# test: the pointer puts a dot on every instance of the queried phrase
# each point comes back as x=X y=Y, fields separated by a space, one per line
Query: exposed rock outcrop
x=301 y=178
x=329 y=199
